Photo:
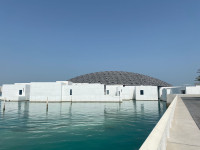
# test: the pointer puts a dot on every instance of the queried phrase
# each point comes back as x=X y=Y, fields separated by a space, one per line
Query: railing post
x=4 y=106
x=47 y=105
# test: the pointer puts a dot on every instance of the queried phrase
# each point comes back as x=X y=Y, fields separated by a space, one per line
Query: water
x=78 y=126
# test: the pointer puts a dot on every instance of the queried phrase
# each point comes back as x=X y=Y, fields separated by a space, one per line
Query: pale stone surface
x=193 y=105
x=170 y=97
x=158 y=137
x=184 y=133
x=175 y=146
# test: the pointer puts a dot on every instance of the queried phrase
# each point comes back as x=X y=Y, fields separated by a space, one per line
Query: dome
x=118 y=77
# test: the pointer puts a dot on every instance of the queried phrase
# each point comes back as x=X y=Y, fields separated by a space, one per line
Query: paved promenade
x=184 y=131
x=193 y=105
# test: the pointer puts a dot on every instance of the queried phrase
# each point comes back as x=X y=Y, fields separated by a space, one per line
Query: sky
x=54 y=40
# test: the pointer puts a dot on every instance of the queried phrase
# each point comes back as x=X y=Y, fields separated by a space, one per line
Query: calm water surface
x=77 y=126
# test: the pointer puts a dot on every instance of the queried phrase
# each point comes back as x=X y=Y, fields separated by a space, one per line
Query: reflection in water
x=74 y=126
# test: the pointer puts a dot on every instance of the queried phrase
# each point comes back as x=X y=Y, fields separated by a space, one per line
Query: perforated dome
x=118 y=77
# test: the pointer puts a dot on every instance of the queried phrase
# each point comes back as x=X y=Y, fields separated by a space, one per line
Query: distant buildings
x=109 y=86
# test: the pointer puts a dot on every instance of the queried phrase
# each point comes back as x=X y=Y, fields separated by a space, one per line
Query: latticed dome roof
x=118 y=77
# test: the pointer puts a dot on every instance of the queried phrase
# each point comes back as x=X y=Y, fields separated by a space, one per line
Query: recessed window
x=182 y=91
x=20 y=92
x=107 y=92
x=104 y=89
x=70 y=91
x=141 y=92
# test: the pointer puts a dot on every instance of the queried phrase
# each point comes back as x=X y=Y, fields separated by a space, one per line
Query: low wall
x=170 y=97
x=157 y=139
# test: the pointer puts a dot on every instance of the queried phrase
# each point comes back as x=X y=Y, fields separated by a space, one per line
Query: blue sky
x=50 y=40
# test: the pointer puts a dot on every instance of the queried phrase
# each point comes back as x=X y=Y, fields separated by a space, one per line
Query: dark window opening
x=70 y=91
x=104 y=89
x=182 y=91
x=20 y=92
x=141 y=92
x=107 y=92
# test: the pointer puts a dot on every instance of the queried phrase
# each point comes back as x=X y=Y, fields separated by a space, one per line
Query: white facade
x=16 y=92
x=164 y=91
x=114 y=90
x=41 y=91
x=76 y=92
x=193 y=89
x=146 y=93
x=79 y=92
x=128 y=92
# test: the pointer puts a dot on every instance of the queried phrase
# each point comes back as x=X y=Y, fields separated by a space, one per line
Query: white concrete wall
x=193 y=89
x=114 y=90
x=170 y=97
x=177 y=90
x=86 y=92
x=27 y=91
x=164 y=91
x=39 y=91
x=65 y=82
x=128 y=93
x=157 y=139
x=60 y=91
x=11 y=91
x=150 y=93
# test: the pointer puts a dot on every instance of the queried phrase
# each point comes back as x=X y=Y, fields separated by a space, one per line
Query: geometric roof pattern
x=118 y=77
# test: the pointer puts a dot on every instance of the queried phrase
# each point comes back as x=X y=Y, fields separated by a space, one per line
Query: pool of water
x=77 y=126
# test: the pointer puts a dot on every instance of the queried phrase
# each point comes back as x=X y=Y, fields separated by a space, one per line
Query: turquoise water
x=77 y=126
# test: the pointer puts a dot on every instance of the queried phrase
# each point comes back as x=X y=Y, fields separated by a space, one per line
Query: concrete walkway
x=184 y=132
x=193 y=105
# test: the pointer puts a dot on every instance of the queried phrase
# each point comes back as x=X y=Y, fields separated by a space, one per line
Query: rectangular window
x=107 y=92
x=141 y=92
x=70 y=91
x=20 y=92
x=182 y=91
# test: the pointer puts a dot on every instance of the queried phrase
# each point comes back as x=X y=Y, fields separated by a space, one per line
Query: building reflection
x=75 y=113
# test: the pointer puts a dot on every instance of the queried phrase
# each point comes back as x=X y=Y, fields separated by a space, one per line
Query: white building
x=16 y=92
x=110 y=86
x=164 y=91
x=170 y=91
x=76 y=92
x=193 y=89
